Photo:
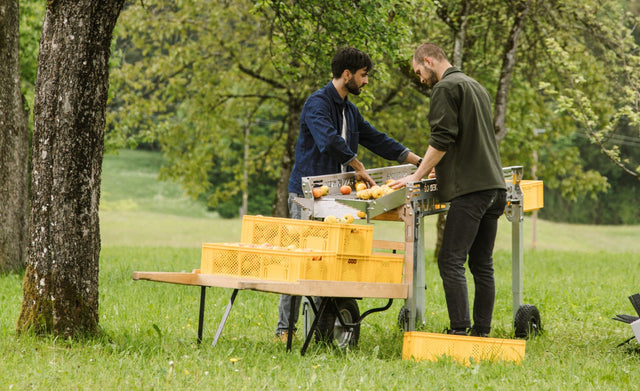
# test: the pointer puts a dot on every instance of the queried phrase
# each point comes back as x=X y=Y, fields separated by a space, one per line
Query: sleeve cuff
x=403 y=155
x=346 y=164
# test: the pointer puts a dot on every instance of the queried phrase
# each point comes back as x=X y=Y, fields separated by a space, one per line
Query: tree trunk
x=281 y=207
x=14 y=146
x=60 y=292
x=508 y=62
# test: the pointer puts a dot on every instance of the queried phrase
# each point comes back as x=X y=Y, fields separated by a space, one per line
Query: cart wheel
x=330 y=329
x=527 y=322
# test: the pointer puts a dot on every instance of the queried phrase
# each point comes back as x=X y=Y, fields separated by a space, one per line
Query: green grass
x=578 y=276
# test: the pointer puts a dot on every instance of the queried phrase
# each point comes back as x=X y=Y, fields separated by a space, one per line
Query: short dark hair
x=351 y=59
x=429 y=50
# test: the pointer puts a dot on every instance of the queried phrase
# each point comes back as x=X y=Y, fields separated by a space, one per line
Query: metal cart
x=410 y=205
x=337 y=316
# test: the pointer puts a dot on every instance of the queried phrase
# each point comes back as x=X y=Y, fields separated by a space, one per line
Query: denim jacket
x=321 y=150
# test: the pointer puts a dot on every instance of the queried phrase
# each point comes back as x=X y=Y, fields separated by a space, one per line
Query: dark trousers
x=470 y=230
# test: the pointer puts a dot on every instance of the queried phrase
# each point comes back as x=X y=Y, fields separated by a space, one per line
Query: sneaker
x=456 y=331
x=476 y=333
x=282 y=336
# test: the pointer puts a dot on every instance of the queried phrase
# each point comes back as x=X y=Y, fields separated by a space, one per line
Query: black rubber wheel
x=330 y=329
x=527 y=323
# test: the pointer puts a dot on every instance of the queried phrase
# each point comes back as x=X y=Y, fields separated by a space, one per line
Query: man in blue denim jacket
x=331 y=128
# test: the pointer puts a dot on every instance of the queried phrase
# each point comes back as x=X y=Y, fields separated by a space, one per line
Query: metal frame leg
x=314 y=325
x=225 y=316
x=517 y=268
x=292 y=314
x=203 y=293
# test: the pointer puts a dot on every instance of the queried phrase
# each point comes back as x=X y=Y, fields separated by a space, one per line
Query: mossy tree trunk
x=61 y=281
x=14 y=146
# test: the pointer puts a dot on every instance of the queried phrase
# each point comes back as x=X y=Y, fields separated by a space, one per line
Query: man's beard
x=352 y=87
x=431 y=79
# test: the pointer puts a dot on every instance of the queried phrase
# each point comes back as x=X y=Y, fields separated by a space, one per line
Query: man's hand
x=402 y=182
x=361 y=172
x=365 y=177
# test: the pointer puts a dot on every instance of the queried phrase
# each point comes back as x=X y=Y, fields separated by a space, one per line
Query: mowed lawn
x=578 y=276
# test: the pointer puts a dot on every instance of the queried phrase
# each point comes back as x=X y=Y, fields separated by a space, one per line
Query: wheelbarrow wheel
x=330 y=330
x=527 y=322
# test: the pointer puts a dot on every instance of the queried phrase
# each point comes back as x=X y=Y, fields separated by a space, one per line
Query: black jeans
x=470 y=230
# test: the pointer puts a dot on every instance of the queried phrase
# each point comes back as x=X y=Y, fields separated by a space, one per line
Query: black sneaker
x=476 y=333
x=455 y=331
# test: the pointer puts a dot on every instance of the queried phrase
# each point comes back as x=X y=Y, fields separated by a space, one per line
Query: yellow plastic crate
x=277 y=264
x=532 y=195
x=385 y=268
x=430 y=346
x=276 y=231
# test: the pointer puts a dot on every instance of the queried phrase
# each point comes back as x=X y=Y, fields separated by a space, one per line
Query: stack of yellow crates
x=282 y=249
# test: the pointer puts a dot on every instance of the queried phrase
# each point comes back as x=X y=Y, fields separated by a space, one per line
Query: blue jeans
x=286 y=301
x=470 y=230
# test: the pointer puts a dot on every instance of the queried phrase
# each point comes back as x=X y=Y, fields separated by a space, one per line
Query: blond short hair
x=429 y=50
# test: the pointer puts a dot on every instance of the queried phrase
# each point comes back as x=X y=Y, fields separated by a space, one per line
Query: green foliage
x=31 y=18
x=597 y=66
x=192 y=78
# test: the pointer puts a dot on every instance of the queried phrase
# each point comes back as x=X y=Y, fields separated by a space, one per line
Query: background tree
x=60 y=293
x=14 y=145
x=262 y=57
x=179 y=85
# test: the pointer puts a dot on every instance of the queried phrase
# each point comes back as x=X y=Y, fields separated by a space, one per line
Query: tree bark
x=508 y=62
x=60 y=292
x=14 y=146
x=281 y=207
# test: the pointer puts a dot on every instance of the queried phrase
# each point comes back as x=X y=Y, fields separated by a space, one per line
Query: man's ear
x=347 y=75
x=428 y=61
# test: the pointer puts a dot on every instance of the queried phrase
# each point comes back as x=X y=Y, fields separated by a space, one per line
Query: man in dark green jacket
x=464 y=152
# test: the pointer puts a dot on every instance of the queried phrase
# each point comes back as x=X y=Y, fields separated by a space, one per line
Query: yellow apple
x=330 y=219
x=377 y=192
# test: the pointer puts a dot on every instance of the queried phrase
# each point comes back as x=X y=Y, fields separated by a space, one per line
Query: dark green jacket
x=461 y=125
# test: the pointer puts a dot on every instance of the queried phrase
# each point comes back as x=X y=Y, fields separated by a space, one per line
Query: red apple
x=344 y=189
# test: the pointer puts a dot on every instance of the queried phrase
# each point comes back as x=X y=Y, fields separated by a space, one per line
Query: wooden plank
x=330 y=288
x=300 y=288
x=189 y=279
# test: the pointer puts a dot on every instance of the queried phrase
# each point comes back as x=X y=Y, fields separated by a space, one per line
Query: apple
x=348 y=218
x=360 y=185
x=364 y=194
x=344 y=189
x=361 y=214
x=377 y=192
x=330 y=219
x=325 y=190
x=317 y=192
